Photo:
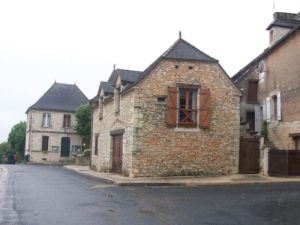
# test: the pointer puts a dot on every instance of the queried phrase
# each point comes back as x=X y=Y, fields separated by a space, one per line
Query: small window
x=67 y=120
x=176 y=66
x=45 y=143
x=187 y=113
x=96 y=144
x=190 y=67
x=271 y=36
x=46 y=120
x=161 y=99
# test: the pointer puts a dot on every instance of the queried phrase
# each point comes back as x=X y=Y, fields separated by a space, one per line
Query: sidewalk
x=181 y=181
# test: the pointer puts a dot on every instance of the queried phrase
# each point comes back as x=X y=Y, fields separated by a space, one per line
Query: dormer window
x=271 y=36
x=46 y=120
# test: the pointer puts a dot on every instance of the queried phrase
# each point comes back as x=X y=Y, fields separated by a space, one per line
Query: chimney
x=281 y=25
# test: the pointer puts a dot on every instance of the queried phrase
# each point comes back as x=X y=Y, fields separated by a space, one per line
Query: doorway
x=117 y=153
x=65 y=147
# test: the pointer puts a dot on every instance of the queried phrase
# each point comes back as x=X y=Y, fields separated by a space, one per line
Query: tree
x=4 y=148
x=16 y=138
x=83 y=123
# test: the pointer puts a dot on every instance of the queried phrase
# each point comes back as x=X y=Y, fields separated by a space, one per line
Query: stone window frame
x=67 y=121
x=252 y=95
x=202 y=102
x=45 y=143
x=46 y=120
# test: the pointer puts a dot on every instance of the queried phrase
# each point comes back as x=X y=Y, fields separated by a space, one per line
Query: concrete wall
x=35 y=131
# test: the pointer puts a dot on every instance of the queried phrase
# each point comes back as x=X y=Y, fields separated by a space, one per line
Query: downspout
x=91 y=135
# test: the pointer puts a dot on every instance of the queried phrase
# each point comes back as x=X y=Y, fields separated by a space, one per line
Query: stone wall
x=113 y=121
x=163 y=151
x=55 y=133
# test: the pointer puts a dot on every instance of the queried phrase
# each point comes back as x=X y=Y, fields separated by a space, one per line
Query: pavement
x=186 y=181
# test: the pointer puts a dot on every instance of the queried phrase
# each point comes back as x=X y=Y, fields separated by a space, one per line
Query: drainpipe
x=91 y=136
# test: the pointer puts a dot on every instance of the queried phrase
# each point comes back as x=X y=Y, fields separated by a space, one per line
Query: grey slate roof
x=108 y=87
x=61 y=97
x=129 y=75
x=284 y=23
x=182 y=50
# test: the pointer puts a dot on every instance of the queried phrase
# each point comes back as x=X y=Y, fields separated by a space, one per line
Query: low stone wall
x=82 y=161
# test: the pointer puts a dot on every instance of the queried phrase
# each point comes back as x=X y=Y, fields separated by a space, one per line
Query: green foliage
x=264 y=129
x=16 y=138
x=87 y=152
x=4 y=148
x=83 y=121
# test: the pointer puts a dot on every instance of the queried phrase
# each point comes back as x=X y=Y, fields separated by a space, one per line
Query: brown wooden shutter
x=204 y=108
x=172 y=107
x=252 y=91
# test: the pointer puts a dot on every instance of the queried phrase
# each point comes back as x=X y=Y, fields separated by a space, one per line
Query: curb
x=182 y=183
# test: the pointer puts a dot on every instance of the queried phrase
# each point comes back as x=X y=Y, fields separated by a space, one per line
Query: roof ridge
x=130 y=70
x=198 y=49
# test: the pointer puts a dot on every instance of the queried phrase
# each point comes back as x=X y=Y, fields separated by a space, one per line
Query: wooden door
x=117 y=153
x=249 y=156
x=65 y=147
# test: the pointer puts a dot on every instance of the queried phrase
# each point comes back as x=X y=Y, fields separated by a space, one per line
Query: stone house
x=50 y=134
x=271 y=86
x=178 y=117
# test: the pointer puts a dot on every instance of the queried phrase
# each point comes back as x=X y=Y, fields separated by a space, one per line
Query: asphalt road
x=46 y=195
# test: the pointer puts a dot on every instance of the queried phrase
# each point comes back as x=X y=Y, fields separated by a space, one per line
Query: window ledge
x=183 y=129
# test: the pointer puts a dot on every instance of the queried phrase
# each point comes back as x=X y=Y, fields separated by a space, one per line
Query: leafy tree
x=83 y=123
x=16 y=138
x=4 y=148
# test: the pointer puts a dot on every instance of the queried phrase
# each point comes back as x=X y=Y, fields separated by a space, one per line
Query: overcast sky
x=71 y=41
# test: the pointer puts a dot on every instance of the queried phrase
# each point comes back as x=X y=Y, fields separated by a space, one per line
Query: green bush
x=87 y=152
x=264 y=129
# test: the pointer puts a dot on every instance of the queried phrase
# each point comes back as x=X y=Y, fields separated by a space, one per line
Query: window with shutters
x=67 y=120
x=45 y=143
x=252 y=91
x=188 y=107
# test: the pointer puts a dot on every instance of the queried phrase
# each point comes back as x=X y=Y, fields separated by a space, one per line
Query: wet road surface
x=51 y=195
